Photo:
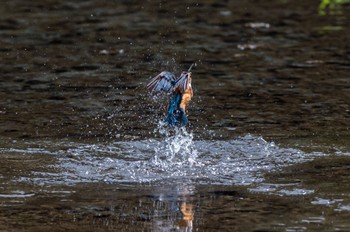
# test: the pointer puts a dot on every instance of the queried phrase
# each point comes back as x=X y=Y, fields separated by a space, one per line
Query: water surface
x=82 y=148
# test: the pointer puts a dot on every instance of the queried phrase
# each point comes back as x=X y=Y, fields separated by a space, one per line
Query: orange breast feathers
x=186 y=97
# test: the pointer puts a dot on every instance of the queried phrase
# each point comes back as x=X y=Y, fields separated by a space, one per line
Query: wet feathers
x=180 y=91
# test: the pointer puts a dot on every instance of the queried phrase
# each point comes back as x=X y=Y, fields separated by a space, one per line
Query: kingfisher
x=180 y=92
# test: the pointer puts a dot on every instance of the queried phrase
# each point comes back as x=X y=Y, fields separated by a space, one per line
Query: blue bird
x=180 y=92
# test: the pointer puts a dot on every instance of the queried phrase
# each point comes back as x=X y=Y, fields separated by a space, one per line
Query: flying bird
x=180 y=92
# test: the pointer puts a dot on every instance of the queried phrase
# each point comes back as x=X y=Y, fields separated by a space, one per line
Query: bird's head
x=186 y=75
x=183 y=83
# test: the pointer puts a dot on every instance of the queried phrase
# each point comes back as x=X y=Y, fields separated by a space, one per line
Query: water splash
x=175 y=157
x=176 y=148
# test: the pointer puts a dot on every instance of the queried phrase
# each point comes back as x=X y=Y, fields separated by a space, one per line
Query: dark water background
x=267 y=148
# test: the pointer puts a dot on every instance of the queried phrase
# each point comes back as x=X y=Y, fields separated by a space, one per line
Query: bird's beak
x=189 y=70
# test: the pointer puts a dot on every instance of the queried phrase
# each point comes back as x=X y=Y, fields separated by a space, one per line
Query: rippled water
x=267 y=148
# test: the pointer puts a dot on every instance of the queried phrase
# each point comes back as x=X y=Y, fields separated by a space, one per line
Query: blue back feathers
x=176 y=115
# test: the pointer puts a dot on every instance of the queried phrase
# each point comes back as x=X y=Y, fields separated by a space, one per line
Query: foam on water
x=175 y=157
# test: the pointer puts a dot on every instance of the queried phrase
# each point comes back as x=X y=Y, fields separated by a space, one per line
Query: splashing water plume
x=176 y=148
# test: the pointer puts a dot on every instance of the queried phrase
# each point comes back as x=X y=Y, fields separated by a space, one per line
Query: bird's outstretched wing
x=183 y=82
x=163 y=82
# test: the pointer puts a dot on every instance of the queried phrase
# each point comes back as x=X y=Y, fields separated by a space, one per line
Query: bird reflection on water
x=187 y=216
x=174 y=209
